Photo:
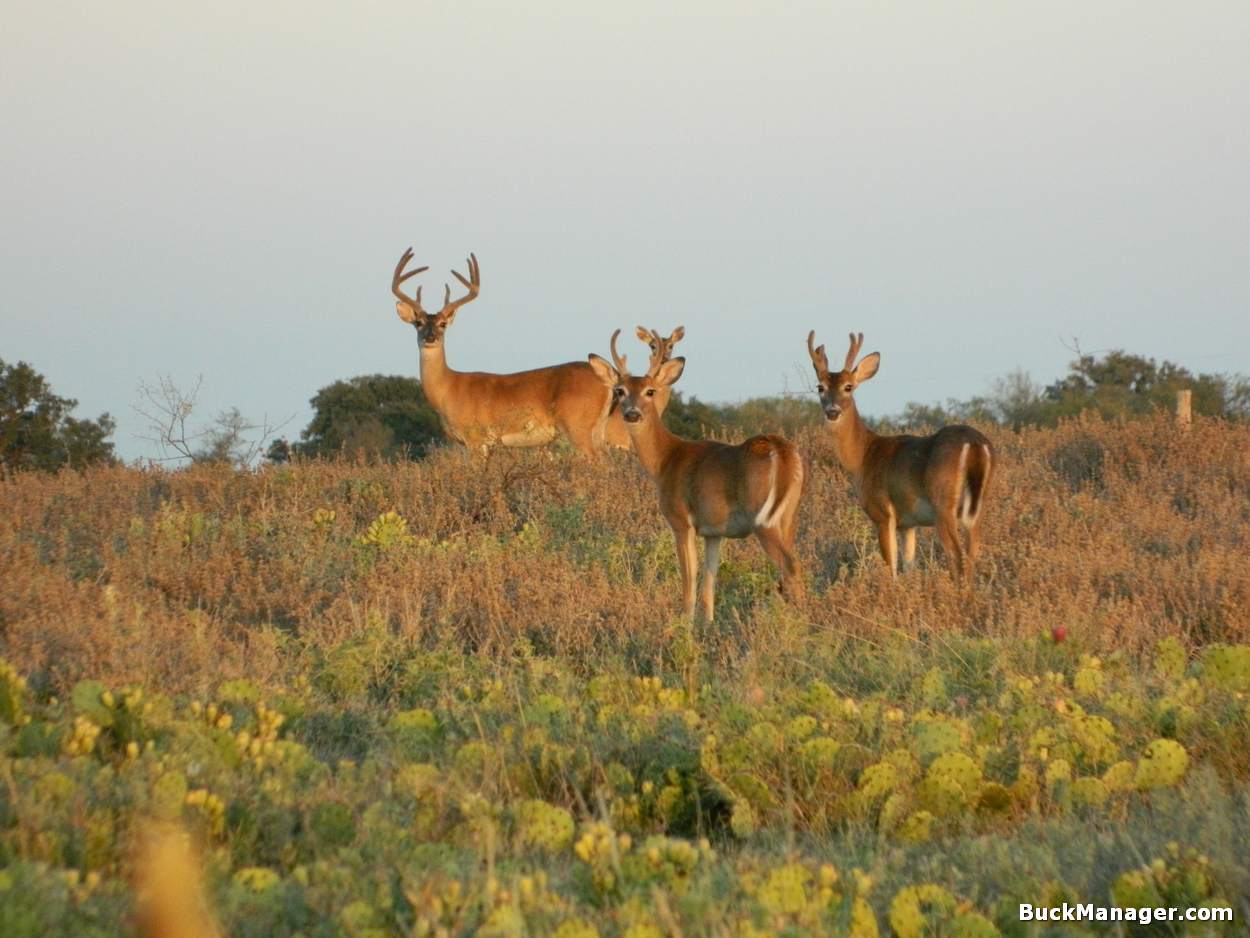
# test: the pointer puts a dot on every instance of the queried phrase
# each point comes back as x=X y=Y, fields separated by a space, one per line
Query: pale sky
x=223 y=189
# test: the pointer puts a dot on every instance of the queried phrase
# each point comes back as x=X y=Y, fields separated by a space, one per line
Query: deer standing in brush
x=526 y=408
x=905 y=482
x=707 y=488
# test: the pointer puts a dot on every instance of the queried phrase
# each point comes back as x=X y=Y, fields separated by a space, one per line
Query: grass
x=454 y=697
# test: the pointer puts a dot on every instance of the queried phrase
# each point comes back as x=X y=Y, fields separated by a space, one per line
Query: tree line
x=388 y=416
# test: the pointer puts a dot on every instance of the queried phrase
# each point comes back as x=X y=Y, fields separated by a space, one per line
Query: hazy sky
x=224 y=188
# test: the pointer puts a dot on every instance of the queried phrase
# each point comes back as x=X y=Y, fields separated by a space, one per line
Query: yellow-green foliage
x=453 y=697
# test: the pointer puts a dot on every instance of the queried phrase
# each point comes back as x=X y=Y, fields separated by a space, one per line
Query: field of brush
x=455 y=697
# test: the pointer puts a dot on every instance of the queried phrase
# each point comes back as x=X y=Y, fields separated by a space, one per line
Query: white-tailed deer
x=707 y=488
x=615 y=433
x=478 y=409
x=905 y=482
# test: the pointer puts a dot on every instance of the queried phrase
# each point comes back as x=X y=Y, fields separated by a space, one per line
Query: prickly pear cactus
x=1162 y=765
x=1170 y=658
x=915 y=910
x=543 y=826
x=1089 y=792
x=1227 y=667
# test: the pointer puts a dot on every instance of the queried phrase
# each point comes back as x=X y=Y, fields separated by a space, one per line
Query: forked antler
x=399 y=277
x=857 y=342
x=473 y=283
x=618 y=359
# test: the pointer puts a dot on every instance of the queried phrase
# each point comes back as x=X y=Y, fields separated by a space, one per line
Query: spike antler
x=857 y=342
x=817 y=352
x=617 y=358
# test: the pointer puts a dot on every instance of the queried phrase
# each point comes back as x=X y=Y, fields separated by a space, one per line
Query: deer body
x=905 y=482
x=479 y=409
x=525 y=408
x=710 y=489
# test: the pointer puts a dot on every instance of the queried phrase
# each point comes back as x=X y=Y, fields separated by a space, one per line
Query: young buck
x=905 y=482
x=709 y=489
x=615 y=433
x=527 y=408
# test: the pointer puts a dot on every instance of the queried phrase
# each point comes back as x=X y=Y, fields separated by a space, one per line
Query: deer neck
x=652 y=442
x=436 y=377
x=851 y=439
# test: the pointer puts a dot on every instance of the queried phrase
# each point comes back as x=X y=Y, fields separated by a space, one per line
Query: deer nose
x=632 y=414
x=832 y=411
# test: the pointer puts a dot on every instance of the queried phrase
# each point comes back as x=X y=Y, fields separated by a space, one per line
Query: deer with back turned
x=906 y=482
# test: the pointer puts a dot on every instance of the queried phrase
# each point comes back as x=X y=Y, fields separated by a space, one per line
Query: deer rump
x=920 y=474
x=732 y=490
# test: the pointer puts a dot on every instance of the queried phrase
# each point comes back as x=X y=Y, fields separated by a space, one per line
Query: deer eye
x=618 y=391
x=650 y=392
x=820 y=389
x=848 y=388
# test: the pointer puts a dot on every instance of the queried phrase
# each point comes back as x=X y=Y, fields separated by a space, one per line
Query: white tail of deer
x=906 y=482
x=478 y=409
x=707 y=488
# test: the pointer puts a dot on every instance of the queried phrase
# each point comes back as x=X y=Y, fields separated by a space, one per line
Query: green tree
x=36 y=429
x=1117 y=384
x=381 y=415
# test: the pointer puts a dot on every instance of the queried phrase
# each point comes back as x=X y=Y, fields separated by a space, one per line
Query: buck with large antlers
x=707 y=488
x=526 y=408
x=905 y=482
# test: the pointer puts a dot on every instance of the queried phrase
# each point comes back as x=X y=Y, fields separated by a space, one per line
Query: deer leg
x=687 y=560
x=948 y=534
x=782 y=555
x=888 y=543
x=711 y=563
x=908 y=538
x=974 y=545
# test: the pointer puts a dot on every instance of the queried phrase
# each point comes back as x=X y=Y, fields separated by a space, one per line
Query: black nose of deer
x=832 y=411
x=632 y=415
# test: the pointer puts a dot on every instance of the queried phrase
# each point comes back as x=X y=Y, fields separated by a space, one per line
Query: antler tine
x=473 y=283
x=617 y=358
x=857 y=342
x=399 y=277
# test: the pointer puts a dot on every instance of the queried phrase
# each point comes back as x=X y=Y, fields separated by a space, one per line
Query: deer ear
x=406 y=313
x=645 y=335
x=604 y=371
x=867 y=367
x=678 y=334
x=670 y=371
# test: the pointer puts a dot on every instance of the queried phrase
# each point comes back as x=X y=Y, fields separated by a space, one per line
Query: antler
x=617 y=359
x=399 y=277
x=473 y=283
x=857 y=342
x=817 y=353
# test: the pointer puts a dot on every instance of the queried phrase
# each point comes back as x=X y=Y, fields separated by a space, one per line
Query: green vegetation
x=36 y=429
x=451 y=696
x=923 y=789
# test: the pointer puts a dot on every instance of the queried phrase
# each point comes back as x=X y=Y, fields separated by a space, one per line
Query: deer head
x=635 y=396
x=661 y=348
x=431 y=327
x=837 y=387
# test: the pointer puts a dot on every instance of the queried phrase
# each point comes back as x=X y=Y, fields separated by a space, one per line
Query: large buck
x=707 y=488
x=526 y=408
x=905 y=482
